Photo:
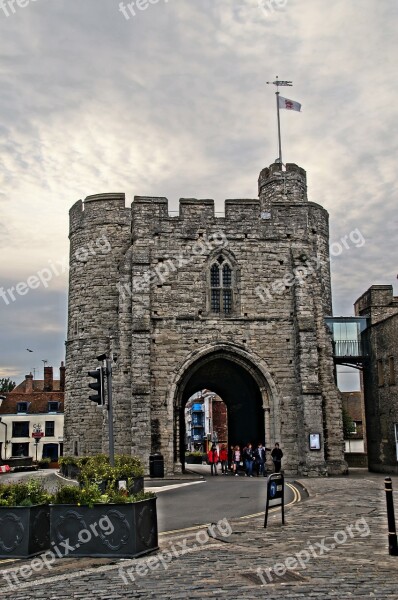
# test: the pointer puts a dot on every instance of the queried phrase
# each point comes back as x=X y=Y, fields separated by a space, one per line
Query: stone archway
x=243 y=384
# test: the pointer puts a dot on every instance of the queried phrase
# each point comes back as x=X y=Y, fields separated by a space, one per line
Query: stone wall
x=380 y=379
x=148 y=301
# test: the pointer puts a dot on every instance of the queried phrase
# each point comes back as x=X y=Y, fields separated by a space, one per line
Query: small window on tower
x=221 y=287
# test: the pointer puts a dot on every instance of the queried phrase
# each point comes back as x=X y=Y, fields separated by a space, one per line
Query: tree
x=348 y=425
x=6 y=385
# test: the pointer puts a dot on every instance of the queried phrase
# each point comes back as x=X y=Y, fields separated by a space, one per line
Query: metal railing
x=351 y=348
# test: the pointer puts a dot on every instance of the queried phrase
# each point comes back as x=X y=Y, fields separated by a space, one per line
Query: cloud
x=174 y=102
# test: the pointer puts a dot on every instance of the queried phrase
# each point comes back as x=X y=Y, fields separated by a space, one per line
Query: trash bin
x=156 y=465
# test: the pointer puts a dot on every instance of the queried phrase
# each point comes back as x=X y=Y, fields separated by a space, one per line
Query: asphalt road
x=188 y=504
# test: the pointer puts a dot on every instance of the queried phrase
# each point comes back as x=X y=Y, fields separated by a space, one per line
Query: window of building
x=20 y=429
x=380 y=372
x=49 y=428
x=221 y=287
x=22 y=407
x=391 y=370
x=53 y=407
x=20 y=450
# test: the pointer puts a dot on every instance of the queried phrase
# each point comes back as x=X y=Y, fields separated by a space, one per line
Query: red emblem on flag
x=289 y=104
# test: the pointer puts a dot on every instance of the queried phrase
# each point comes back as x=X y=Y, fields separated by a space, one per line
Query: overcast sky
x=173 y=101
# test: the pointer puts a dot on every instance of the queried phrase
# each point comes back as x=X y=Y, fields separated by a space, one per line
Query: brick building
x=353 y=404
x=33 y=402
x=380 y=307
x=206 y=419
x=234 y=304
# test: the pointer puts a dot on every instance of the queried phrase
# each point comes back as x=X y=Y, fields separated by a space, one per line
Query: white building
x=33 y=406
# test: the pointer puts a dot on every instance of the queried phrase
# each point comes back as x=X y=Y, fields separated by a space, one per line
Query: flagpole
x=277 y=83
x=279 y=126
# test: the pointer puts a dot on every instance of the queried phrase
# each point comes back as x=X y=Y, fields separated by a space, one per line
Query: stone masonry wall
x=154 y=312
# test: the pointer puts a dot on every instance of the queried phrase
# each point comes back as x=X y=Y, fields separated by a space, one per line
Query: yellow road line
x=297 y=498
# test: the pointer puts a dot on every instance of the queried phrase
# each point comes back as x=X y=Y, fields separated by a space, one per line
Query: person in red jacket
x=224 y=459
x=212 y=456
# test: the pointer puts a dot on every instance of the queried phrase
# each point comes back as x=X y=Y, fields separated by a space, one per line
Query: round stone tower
x=99 y=234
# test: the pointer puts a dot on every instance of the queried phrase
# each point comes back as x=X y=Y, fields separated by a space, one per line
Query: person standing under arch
x=212 y=456
x=276 y=456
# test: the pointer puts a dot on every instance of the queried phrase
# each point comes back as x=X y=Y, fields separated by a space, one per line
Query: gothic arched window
x=221 y=295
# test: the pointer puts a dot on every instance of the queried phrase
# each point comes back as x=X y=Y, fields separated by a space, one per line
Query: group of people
x=251 y=458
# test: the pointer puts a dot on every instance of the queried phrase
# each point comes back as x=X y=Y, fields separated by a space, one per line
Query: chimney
x=62 y=378
x=28 y=383
x=48 y=379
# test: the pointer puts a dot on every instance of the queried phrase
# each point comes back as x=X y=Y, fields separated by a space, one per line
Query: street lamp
x=37 y=435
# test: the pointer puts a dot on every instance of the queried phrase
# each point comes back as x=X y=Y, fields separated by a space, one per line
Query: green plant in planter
x=28 y=493
x=72 y=494
x=98 y=470
x=44 y=463
x=90 y=494
x=74 y=461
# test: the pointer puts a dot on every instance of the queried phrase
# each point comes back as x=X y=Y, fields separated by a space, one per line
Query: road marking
x=173 y=486
x=297 y=498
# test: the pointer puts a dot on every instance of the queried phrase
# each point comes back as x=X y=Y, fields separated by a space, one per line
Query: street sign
x=275 y=492
x=37 y=434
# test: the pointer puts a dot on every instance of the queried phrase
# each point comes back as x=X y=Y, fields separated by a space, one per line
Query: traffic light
x=98 y=386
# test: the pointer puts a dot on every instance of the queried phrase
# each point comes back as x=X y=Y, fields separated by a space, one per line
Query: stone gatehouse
x=234 y=304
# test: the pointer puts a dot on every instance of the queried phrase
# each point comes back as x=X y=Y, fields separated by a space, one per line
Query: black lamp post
x=37 y=435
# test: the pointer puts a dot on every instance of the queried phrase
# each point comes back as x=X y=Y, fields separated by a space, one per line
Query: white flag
x=289 y=104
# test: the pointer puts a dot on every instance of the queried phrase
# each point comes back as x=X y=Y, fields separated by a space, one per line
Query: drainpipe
x=5 y=439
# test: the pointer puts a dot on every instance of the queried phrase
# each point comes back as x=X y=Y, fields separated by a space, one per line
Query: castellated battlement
x=99 y=208
x=275 y=185
x=276 y=188
x=194 y=209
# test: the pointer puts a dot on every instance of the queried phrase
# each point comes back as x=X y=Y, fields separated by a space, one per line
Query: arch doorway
x=240 y=384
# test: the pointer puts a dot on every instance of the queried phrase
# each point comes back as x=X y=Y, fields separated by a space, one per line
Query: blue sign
x=273 y=489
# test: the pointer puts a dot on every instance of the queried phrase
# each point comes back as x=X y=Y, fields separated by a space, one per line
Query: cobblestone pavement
x=334 y=545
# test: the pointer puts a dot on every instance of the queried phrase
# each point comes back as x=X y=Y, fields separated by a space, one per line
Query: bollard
x=392 y=534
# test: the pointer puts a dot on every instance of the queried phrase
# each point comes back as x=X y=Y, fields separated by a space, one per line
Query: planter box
x=105 y=530
x=193 y=460
x=136 y=486
x=70 y=471
x=24 y=531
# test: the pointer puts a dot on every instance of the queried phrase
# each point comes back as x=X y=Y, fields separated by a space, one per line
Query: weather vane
x=283 y=103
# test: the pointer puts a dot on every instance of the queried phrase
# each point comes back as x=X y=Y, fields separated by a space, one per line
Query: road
x=187 y=504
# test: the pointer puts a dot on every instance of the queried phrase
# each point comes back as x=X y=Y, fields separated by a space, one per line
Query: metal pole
x=392 y=533
x=110 y=413
x=5 y=440
x=279 y=126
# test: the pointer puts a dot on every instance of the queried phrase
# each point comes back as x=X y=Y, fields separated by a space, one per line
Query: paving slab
x=334 y=545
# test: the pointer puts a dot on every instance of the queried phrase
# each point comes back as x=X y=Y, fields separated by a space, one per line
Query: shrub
x=44 y=463
x=73 y=460
x=90 y=494
x=24 y=494
x=97 y=469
